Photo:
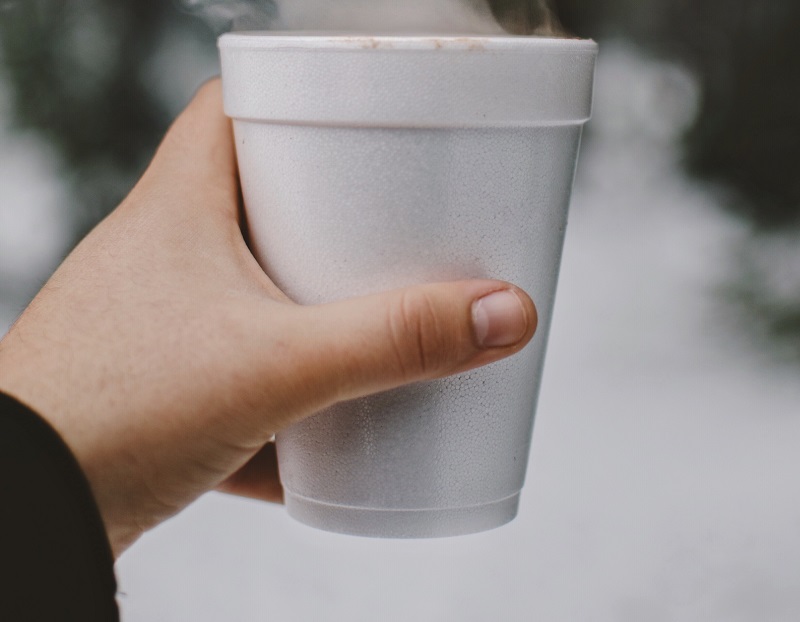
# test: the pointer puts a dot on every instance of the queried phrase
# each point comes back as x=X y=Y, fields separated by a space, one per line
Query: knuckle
x=418 y=339
x=209 y=88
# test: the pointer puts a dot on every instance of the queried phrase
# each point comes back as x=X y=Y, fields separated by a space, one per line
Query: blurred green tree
x=743 y=52
x=77 y=76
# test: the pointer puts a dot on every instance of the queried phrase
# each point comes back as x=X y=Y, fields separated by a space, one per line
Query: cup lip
x=312 y=40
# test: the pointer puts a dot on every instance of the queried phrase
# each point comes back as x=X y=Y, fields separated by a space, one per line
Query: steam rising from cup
x=479 y=17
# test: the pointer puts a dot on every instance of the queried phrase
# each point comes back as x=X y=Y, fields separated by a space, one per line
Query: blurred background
x=662 y=483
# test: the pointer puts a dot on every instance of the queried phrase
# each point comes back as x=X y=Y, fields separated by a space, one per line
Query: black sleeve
x=55 y=560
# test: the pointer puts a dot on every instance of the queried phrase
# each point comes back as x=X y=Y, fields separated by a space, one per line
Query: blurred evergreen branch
x=75 y=71
x=78 y=76
x=744 y=54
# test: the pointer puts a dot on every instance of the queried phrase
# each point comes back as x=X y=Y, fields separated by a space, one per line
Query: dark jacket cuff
x=53 y=545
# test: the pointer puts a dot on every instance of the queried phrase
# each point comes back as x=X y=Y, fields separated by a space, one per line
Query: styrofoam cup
x=374 y=162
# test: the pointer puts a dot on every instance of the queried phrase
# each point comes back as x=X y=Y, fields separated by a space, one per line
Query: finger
x=196 y=162
x=362 y=346
x=258 y=479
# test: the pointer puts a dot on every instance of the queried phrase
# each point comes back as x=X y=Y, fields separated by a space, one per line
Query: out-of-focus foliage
x=748 y=130
x=747 y=133
x=77 y=72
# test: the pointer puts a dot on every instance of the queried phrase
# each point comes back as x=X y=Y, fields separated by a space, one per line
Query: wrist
x=32 y=383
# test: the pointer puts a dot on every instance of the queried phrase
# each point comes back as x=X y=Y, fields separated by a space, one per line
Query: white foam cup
x=370 y=163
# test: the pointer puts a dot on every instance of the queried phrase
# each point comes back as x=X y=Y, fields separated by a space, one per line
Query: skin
x=167 y=359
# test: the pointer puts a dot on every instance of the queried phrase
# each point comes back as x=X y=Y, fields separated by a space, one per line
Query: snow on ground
x=662 y=480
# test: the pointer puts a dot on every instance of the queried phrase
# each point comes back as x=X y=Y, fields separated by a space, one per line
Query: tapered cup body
x=372 y=163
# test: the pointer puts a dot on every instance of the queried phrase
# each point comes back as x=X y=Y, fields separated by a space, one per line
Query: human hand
x=167 y=359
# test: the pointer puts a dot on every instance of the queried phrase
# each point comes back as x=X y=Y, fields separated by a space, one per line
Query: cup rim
x=298 y=40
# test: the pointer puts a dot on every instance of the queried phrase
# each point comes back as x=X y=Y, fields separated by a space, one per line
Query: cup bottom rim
x=402 y=523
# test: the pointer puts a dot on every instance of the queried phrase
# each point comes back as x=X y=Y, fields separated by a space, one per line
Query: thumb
x=379 y=342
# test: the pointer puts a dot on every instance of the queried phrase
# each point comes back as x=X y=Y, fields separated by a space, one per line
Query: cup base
x=402 y=523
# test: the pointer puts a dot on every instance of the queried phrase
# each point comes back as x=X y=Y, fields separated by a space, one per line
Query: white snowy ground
x=663 y=483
